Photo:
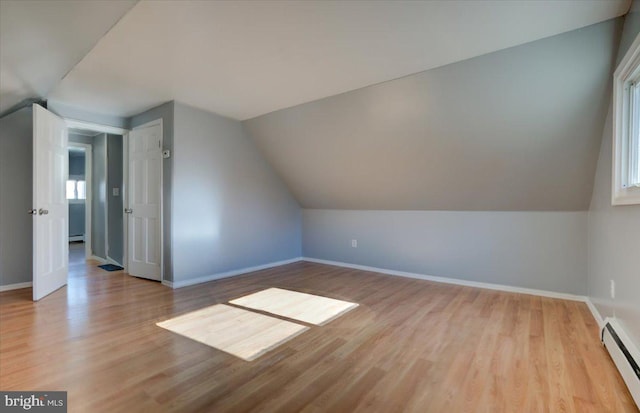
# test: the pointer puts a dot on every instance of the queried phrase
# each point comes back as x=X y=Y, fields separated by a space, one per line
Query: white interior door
x=51 y=210
x=145 y=201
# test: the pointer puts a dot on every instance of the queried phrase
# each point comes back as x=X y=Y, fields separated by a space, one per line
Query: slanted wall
x=230 y=209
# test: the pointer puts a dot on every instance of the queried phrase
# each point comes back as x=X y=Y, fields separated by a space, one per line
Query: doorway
x=78 y=194
x=123 y=173
x=94 y=192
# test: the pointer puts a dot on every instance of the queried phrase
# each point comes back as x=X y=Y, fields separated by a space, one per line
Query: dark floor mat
x=111 y=267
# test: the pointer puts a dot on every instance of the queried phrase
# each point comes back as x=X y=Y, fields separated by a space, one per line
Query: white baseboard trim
x=112 y=261
x=213 y=277
x=99 y=259
x=595 y=313
x=456 y=281
x=76 y=238
x=15 y=286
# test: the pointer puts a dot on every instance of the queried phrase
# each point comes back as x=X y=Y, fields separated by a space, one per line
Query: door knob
x=128 y=211
x=43 y=211
x=32 y=211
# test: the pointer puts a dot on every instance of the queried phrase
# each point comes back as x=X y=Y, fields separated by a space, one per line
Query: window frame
x=76 y=179
x=627 y=73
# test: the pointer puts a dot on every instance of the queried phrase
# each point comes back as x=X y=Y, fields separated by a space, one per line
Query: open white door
x=50 y=213
x=145 y=201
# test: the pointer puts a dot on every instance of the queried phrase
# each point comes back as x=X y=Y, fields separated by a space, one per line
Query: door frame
x=125 y=201
x=88 y=151
x=113 y=130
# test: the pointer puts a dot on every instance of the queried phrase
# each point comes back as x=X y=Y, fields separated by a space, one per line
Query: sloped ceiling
x=40 y=41
x=518 y=129
x=508 y=129
x=242 y=59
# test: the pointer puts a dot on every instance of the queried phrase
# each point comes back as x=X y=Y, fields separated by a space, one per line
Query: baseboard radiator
x=624 y=354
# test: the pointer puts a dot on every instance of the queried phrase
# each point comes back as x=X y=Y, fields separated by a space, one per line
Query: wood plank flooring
x=410 y=346
x=242 y=333
x=307 y=308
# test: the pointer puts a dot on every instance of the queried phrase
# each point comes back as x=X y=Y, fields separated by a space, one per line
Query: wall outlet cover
x=613 y=289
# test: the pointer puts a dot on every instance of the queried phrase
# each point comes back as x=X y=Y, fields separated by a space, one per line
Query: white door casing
x=51 y=209
x=144 y=214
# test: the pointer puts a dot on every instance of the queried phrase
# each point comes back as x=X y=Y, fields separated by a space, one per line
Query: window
x=76 y=189
x=626 y=129
x=71 y=189
x=81 y=189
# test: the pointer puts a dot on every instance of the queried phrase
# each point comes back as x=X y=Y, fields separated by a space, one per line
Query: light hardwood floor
x=411 y=345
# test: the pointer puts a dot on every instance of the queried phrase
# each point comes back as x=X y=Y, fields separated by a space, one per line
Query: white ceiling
x=246 y=58
x=40 y=41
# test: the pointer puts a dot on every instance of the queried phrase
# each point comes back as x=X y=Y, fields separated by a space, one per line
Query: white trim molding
x=595 y=313
x=101 y=260
x=16 y=286
x=456 y=281
x=80 y=124
x=112 y=261
x=217 y=276
x=626 y=74
x=446 y=280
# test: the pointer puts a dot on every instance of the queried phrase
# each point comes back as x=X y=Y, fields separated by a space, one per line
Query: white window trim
x=77 y=200
x=628 y=69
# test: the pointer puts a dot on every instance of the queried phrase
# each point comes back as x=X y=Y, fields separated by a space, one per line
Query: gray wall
x=76 y=219
x=99 y=196
x=540 y=250
x=518 y=129
x=230 y=210
x=16 y=154
x=76 y=164
x=164 y=112
x=114 y=206
x=614 y=232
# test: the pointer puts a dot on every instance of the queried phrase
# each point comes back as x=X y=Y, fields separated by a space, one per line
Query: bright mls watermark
x=33 y=401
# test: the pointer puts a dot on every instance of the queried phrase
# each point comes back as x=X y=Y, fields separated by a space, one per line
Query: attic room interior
x=320 y=206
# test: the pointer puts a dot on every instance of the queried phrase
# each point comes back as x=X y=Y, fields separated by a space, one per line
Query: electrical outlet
x=354 y=243
x=613 y=289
